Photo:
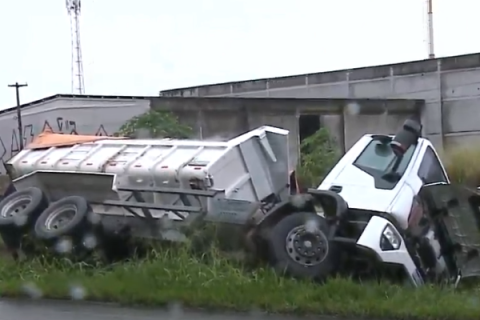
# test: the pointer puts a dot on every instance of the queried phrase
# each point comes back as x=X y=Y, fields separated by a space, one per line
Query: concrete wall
x=450 y=86
x=211 y=118
x=222 y=118
x=66 y=115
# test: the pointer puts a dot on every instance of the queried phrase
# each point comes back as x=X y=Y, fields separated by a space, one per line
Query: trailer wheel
x=65 y=217
x=18 y=213
x=299 y=247
x=21 y=208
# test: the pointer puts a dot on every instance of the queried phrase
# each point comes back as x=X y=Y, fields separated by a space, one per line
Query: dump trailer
x=148 y=187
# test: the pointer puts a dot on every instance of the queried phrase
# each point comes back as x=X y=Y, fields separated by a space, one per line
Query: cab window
x=430 y=170
x=379 y=156
x=379 y=161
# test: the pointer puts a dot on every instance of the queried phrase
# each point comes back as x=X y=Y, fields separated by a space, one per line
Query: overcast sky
x=143 y=46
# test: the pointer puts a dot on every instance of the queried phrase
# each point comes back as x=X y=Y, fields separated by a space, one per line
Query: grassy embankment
x=219 y=284
x=178 y=277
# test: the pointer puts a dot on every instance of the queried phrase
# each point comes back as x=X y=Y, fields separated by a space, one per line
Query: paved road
x=54 y=310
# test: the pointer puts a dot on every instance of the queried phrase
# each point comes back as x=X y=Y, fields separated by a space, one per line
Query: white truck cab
x=396 y=188
x=362 y=176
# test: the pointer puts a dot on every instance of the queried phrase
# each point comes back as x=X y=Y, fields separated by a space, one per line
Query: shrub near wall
x=463 y=165
x=318 y=155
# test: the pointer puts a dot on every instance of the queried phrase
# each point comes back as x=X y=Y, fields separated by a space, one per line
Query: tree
x=158 y=123
x=318 y=154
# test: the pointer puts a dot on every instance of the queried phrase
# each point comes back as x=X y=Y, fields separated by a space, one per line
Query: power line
x=17 y=87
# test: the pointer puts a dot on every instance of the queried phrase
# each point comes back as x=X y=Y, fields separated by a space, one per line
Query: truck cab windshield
x=379 y=161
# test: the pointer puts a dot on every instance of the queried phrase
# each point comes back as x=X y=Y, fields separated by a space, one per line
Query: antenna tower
x=74 y=9
x=430 y=35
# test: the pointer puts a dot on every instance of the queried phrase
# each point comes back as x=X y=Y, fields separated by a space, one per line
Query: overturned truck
x=386 y=207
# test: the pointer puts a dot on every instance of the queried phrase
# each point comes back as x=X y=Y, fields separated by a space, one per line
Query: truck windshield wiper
x=392 y=176
x=392 y=173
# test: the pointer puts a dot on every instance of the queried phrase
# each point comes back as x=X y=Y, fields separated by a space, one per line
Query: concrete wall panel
x=295 y=92
x=417 y=87
x=253 y=94
x=370 y=89
x=382 y=124
x=432 y=118
x=334 y=90
x=223 y=124
x=461 y=84
x=461 y=116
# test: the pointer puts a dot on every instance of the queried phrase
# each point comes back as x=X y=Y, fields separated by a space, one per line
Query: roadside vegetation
x=318 y=154
x=211 y=280
x=462 y=165
x=217 y=283
x=156 y=124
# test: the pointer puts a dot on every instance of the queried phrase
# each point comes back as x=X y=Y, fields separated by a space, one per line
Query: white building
x=100 y=115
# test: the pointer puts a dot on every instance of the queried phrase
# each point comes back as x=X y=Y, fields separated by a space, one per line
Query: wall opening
x=308 y=124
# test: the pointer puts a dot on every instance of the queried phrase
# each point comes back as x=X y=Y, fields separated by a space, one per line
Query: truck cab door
x=427 y=170
x=431 y=170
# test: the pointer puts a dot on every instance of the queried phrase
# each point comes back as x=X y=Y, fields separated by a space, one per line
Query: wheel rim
x=16 y=207
x=61 y=217
x=306 y=248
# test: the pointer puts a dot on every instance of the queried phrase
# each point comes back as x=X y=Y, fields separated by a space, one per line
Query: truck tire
x=67 y=217
x=28 y=203
x=18 y=213
x=300 y=251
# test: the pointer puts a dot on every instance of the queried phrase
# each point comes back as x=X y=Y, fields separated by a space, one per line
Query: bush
x=462 y=165
x=158 y=123
x=318 y=154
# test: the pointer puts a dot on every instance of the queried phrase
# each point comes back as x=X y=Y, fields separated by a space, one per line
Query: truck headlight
x=390 y=239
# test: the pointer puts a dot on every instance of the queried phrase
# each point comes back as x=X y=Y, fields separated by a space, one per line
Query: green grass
x=218 y=284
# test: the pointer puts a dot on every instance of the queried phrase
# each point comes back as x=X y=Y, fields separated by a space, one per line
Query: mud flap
x=458 y=208
x=334 y=206
x=332 y=203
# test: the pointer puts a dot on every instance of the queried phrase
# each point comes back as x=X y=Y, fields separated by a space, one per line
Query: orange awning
x=48 y=139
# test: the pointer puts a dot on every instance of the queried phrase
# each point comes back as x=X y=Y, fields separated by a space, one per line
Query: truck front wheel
x=299 y=247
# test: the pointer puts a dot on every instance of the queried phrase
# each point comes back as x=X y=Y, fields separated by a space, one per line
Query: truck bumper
x=378 y=236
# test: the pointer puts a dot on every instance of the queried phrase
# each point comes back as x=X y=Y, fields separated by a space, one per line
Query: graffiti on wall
x=61 y=125
x=10 y=145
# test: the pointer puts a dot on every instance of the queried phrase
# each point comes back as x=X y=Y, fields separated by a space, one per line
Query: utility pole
x=17 y=87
